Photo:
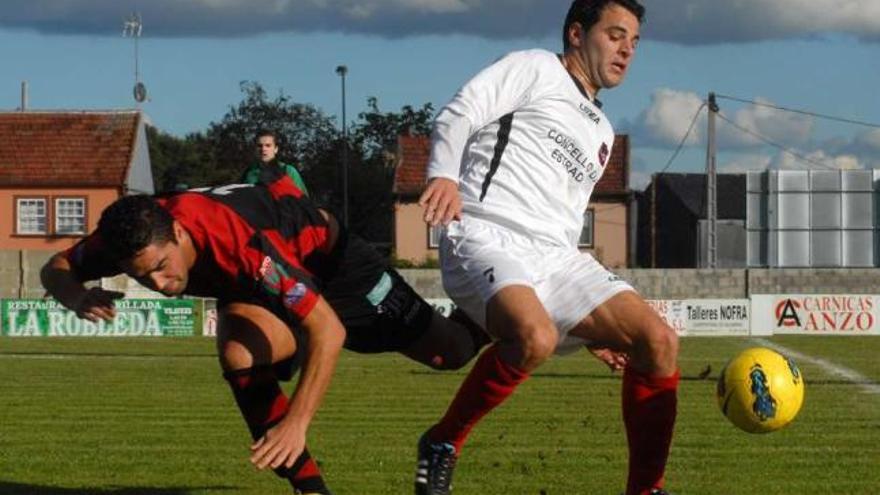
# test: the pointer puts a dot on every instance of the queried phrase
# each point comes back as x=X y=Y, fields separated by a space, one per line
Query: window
x=434 y=236
x=586 y=239
x=30 y=216
x=50 y=216
x=70 y=216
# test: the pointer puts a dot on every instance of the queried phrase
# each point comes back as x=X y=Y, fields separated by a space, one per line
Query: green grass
x=153 y=416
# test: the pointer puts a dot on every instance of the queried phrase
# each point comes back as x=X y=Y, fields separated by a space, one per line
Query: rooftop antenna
x=132 y=28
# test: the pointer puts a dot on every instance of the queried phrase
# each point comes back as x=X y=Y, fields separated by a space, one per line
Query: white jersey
x=526 y=145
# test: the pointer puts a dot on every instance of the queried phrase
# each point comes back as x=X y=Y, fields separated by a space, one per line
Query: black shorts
x=378 y=308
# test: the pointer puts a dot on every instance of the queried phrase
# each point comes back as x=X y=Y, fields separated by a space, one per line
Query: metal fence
x=812 y=218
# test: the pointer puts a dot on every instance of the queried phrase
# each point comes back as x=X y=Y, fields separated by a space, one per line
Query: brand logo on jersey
x=489 y=273
x=294 y=294
x=590 y=113
x=603 y=154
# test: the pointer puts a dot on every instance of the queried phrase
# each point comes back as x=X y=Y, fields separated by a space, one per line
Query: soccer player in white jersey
x=515 y=156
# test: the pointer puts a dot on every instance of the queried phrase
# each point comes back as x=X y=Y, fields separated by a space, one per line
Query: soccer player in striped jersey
x=293 y=288
x=515 y=157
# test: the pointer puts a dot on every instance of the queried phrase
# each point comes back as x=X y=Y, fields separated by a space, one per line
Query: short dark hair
x=132 y=223
x=267 y=133
x=587 y=13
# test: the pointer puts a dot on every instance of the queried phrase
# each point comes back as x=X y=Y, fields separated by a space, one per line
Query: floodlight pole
x=342 y=71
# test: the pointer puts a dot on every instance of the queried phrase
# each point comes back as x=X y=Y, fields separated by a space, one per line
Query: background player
x=267 y=155
x=515 y=157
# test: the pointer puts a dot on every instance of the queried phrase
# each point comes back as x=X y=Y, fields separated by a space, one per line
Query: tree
x=180 y=162
x=377 y=131
x=371 y=174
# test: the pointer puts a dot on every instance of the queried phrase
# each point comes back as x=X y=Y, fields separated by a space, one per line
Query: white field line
x=847 y=374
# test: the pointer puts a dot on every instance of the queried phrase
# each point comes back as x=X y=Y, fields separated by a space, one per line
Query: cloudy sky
x=819 y=56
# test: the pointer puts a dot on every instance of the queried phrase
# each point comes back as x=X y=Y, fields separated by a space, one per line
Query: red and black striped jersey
x=264 y=244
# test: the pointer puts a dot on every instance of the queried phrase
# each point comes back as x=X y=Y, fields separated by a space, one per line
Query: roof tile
x=76 y=148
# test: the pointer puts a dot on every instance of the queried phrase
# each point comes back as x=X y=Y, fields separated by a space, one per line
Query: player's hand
x=616 y=361
x=441 y=201
x=97 y=304
x=280 y=446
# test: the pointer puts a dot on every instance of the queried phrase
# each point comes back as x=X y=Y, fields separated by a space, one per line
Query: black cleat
x=435 y=466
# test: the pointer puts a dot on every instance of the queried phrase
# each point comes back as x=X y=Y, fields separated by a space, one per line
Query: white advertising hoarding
x=816 y=314
x=699 y=317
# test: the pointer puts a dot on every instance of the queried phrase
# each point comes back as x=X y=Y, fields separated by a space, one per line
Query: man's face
x=161 y=266
x=266 y=148
x=609 y=46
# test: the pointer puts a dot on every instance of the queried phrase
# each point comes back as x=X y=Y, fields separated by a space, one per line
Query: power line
x=774 y=143
x=686 y=134
x=802 y=112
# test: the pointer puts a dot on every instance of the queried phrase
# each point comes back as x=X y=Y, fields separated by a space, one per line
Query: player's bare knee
x=662 y=342
x=537 y=342
x=234 y=356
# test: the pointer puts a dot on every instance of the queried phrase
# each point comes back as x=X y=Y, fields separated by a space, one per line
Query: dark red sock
x=649 y=404
x=263 y=404
x=488 y=384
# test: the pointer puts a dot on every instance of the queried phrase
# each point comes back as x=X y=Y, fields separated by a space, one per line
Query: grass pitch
x=153 y=416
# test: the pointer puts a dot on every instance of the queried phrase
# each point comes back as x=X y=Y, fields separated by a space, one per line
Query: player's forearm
x=325 y=338
x=60 y=282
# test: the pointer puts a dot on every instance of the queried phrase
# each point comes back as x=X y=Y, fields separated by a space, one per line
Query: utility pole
x=711 y=187
x=654 y=220
x=342 y=71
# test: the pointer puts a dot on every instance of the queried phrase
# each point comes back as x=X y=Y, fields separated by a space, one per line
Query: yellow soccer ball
x=760 y=390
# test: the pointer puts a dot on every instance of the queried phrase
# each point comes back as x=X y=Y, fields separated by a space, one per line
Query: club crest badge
x=603 y=154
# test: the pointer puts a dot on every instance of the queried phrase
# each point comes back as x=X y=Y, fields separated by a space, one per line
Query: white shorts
x=479 y=259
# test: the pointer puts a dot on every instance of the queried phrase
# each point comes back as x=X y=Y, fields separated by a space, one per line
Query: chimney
x=24 y=96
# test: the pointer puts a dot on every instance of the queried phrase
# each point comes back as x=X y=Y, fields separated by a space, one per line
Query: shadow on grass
x=537 y=375
x=63 y=354
x=9 y=488
x=701 y=377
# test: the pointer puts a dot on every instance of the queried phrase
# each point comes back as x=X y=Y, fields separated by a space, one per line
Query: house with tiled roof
x=606 y=231
x=60 y=169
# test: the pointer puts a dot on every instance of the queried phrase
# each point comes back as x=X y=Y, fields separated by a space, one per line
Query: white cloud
x=868 y=141
x=863 y=147
x=777 y=126
x=815 y=160
x=745 y=162
x=714 y=21
x=666 y=120
x=679 y=21
x=797 y=159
